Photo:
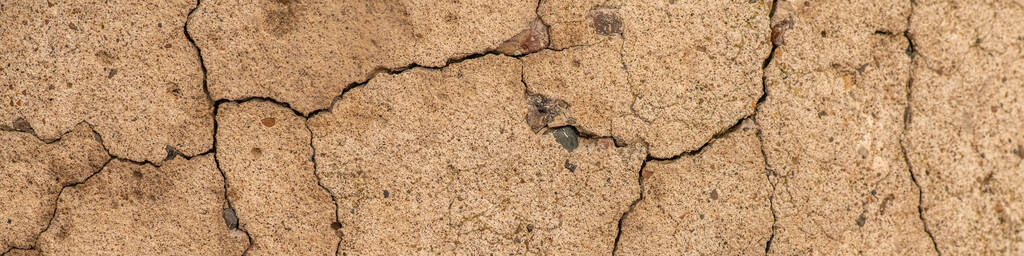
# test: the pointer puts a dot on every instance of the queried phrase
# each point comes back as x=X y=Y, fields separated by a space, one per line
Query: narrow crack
x=632 y=206
x=764 y=155
x=716 y=136
x=216 y=110
x=56 y=202
x=907 y=115
x=199 y=52
x=319 y=182
x=760 y=131
x=650 y=158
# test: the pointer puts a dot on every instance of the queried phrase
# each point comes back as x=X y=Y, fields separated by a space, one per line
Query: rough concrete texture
x=965 y=133
x=33 y=174
x=22 y=252
x=590 y=79
x=124 y=67
x=472 y=177
x=712 y=203
x=685 y=71
x=559 y=127
x=306 y=52
x=831 y=128
x=129 y=208
x=265 y=153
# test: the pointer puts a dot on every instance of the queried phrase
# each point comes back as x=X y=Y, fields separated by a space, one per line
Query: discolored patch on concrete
x=712 y=203
x=965 y=133
x=432 y=161
x=530 y=40
x=129 y=208
x=124 y=67
x=684 y=71
x=576 y=22
x=275 y=193
x=831 y=126
x=307 y=52
x=32 y=174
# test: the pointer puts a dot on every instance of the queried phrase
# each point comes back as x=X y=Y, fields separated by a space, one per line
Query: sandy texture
x=965 y=136
x=831 y=128
x=306 y=52
x=32 y=175
x=128 y=208
x=712 y=203
x=512 y=127
x=266 y=156
x=471 y=176
x=124 y=67
x=685 y=71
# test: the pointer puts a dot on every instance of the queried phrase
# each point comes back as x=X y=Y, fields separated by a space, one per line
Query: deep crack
x=760 y=131
x=216 y=109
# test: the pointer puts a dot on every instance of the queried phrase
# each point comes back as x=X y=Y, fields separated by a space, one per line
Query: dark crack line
x=319 y=182
x=216 y=110
x=760 y=131
x=56 y=202
x=110 y=158
x=217 y=104
x=716 y=136
x=764 y=155
x=632 y=206
x=907 y=115
x=199 y=52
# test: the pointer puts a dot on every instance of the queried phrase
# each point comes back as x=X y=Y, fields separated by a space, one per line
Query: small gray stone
x=230 y=218
x=567 y=136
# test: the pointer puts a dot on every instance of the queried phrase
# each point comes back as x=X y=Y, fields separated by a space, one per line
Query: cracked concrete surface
x=714 y=202
x=124 y=67
x=965 y=127
x=831 y=126
x=34 y=174
x=265 y=154
x=305 y=53
x=141 y=209
x=472 y=177
x=300 y=127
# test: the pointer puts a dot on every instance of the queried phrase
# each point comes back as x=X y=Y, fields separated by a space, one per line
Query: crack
x=764 y=155
x=216 y=110
x=907 y=115
x=45 y=141
x=632 y=206
x=649 y=158
x=199 y=52
x=110 y=158
x=760 y=131
x=56 y=202
x=771 y=196
x=716 y=136
x=319 y=181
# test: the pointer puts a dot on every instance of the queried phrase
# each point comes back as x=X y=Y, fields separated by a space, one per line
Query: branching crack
x=56 y=203
x=907 y=115
x=216 y=109
x=716 y=136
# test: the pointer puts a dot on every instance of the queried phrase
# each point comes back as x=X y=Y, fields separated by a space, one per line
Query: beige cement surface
x=550 y=127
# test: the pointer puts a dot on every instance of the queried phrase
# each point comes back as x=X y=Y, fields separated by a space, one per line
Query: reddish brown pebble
x=269 y=122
